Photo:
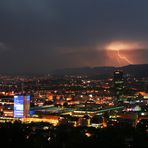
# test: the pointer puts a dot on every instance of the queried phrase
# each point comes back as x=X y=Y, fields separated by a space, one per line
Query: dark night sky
x=41 y=35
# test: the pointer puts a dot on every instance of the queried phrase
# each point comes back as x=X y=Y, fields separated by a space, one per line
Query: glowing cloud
x=118 y=46
x=122 y=52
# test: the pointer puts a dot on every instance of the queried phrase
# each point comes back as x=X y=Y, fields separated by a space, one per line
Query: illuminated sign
x=21 y=106
x=18 y=106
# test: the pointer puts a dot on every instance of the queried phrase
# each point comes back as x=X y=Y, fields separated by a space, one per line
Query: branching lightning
x=123 y=57
x=117 y=47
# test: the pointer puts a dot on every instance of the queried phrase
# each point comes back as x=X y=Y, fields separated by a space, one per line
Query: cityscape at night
x=73 y=73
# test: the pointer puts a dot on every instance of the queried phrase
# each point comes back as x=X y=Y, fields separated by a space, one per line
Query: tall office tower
x=21 y=106
x=118 y=84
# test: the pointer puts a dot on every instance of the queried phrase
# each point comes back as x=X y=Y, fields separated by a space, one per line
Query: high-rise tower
x=118 y=84
x=21 y=106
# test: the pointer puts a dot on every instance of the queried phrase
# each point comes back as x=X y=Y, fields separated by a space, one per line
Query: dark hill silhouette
x=139 y=70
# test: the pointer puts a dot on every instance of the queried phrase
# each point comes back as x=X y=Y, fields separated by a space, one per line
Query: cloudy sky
x=41 y=35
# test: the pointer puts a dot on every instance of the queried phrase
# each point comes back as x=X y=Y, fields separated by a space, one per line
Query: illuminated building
x=17 y=106
x=6 y=106
x=118 y=84
x=21 y=106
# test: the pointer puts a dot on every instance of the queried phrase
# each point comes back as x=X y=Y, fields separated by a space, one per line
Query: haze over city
x=37 y=36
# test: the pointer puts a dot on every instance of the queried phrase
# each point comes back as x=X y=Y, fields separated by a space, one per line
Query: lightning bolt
x=123 y=57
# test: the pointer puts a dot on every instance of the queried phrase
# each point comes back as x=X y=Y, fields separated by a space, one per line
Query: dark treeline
x=43 y=135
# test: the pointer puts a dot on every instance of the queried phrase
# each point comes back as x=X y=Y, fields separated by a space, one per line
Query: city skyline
x=39 y=36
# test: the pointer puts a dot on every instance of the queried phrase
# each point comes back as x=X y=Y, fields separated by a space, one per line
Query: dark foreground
x=42 y=135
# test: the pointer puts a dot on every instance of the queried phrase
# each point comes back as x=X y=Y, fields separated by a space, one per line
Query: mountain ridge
x=138 y=70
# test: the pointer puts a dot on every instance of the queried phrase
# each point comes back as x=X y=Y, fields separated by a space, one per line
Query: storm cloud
x=43 y=35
